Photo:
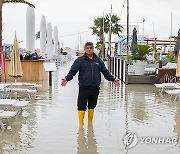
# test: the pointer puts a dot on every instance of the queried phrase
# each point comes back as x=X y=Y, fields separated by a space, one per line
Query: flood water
x=50 y=124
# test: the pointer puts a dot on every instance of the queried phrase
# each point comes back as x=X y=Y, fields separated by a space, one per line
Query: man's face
x=89 y=49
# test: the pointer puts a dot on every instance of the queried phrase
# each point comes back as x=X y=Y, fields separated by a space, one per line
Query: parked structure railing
x=119 y=68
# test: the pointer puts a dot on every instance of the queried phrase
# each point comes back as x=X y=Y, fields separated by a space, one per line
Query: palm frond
x=177 y=38
x=18 y=1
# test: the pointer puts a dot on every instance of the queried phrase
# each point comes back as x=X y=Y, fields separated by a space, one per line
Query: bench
x=6 y=115
x=23 y=90
x=164 y=86
x=13 y=103
x=174 y=92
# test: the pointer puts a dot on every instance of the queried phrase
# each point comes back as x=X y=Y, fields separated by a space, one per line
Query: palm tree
x=2 y=2
x=17 y=1
x=116 y=28
x=98 y=28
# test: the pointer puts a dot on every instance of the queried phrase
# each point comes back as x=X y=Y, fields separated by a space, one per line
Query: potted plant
x=139 y=58
x=171 y=58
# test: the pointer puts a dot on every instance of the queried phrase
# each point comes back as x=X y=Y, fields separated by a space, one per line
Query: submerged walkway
x=50 y=125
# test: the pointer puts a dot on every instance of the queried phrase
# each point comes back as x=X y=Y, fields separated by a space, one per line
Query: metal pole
x=103 y=47
x=78 y=42
x=126 y=73
x=0 y=36
x=155 y=41
x=171 y=35
x=127 y=30
x=110 y=15
x=143 y=28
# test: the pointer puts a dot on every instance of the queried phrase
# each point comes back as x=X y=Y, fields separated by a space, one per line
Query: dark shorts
x=87 y=98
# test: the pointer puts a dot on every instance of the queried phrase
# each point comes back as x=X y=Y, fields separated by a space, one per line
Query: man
x=90 y=68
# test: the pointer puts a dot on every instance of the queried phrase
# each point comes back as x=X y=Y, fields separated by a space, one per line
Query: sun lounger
x=6 y=115
x=164 y=86
x=31 y=85
x=4 y=90
x=13 y=103
x=3 y=85
x=30 y=92
x=29 y=88
x=21 y=104
x=176 y=85
x=22 y=84
x=8 y=101
x=174 y=92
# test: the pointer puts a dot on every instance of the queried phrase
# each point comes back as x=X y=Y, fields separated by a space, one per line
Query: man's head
x=89 y=48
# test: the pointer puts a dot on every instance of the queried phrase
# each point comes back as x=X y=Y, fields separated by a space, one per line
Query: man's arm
x=73 y=70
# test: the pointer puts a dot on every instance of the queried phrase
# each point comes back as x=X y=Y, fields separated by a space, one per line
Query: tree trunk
x=101 y=52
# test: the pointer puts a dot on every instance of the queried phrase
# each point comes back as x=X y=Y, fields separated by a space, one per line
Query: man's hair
x=88 y=44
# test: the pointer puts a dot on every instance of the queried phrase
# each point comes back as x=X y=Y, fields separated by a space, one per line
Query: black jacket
x=89 y=71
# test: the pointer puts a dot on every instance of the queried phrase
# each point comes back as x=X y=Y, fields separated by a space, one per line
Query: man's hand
x=64 y=82
x=117 y=83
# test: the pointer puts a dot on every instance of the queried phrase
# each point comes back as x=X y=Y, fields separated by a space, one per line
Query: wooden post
x=110 y=31
x=160 y=63
x=50 y=78
x=127 y=41
x=171 y=35
x=0 y=35
x=103 y=46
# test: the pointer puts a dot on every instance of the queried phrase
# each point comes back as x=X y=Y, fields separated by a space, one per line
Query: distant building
x=8 y=49
x=122 y=43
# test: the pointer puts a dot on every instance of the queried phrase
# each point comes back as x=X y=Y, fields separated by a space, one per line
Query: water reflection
x=176 y=129
x=125 y=101
x=138 y=108
x=87 y=143
x=20 y=133
x=142 y=99
x=48 y=125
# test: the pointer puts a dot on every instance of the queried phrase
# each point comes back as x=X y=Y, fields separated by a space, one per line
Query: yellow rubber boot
x=90 y=116
x=81 y=118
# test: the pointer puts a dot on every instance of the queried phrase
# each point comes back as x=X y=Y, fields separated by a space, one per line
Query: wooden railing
x=166 y=75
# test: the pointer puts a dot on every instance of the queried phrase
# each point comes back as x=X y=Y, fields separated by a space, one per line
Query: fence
x=119 y=68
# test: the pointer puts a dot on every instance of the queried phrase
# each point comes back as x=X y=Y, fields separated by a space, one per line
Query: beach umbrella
x=178 y=66
x=134 y=39
x=15 y=68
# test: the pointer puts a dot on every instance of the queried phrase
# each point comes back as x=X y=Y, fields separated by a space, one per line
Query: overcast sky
x=72 y=16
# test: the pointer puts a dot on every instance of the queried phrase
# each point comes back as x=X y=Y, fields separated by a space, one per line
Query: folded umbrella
x=15 y=68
